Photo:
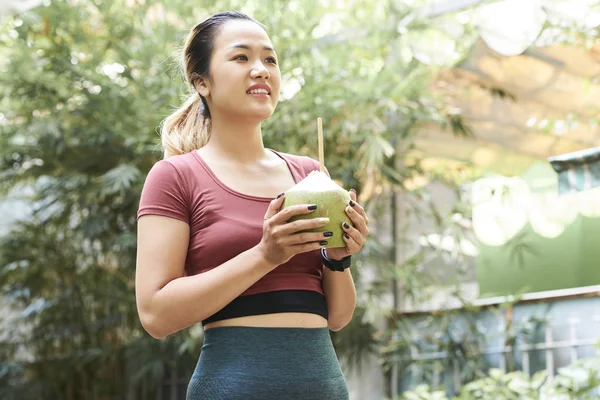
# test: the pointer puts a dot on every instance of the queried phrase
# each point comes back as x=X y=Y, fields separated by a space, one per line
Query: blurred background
x=468 y=128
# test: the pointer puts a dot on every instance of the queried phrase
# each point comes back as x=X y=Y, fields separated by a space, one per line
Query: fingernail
x=352 y=190
x=346 y=225
x=323 y=243
x=312 y=207
x=346 y=235
x=324 y=220
x=352 y=204
x=328 y=234
x=280 y=194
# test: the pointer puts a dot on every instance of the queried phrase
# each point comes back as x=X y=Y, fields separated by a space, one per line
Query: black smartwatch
x=336 y=265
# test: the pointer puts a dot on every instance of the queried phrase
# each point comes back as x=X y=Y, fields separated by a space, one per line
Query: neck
x=236 y=140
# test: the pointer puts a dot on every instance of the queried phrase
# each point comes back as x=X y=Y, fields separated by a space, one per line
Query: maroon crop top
x=224 y=223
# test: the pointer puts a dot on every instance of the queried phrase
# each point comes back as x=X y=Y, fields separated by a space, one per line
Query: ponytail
x=187 y=129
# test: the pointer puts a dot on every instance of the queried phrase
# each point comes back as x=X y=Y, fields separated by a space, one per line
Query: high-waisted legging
x=267 y=363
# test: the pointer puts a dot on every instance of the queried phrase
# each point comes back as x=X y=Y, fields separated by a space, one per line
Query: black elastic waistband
x=303 y=301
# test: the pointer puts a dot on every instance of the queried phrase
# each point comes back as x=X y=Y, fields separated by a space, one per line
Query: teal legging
x=267 y=363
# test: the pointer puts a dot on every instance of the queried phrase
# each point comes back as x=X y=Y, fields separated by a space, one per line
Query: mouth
x=259 y=89
x=263 y=92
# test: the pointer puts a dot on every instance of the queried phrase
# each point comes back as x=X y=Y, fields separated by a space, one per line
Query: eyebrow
x=245 y=46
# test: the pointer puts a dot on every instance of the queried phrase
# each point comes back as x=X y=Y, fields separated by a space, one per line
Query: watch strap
x=336 y=265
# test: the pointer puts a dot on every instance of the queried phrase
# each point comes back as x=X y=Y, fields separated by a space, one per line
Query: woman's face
x=244 y=75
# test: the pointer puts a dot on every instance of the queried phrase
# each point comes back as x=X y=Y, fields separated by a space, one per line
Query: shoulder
x=177 y=166
x=181 y=162
x=172 y=173
x=166 y=190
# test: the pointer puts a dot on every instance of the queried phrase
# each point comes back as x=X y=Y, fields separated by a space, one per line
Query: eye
x=271 y=60
x=241 y=57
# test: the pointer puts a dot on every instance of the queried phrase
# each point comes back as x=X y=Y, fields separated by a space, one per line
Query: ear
x=202 y=87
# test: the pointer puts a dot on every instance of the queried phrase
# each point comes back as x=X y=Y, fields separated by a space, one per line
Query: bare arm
x=341 y=297
x=168 y=301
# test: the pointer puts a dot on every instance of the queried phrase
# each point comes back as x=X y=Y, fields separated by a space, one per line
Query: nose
x=259 y=71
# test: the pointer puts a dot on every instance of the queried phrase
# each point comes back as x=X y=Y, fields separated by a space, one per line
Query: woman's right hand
x=282 y=239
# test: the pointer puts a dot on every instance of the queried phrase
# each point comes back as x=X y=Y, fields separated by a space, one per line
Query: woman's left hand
x=356 y=236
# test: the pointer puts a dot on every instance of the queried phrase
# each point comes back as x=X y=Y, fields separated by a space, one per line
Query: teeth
x=258 y=91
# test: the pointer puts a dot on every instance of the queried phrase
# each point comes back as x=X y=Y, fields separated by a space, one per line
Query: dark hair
x=186 y=129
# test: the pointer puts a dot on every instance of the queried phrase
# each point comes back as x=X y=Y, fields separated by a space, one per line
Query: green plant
x=578 y=381
x=504 y=386
x=424 y=392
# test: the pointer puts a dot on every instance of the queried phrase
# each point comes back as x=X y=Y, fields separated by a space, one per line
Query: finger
x=301 y=225
x=353 y=245
x=357 y=220
x=304 y=238
x=359 y=209
x=306 y=247
x=287 y=213
x=353 y=234
x=275 y=206
x=352 y=194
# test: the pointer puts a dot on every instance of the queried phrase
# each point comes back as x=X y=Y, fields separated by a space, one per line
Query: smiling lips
x=259 y=90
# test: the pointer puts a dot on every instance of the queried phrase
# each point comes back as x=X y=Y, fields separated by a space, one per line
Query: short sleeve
x=164 y=193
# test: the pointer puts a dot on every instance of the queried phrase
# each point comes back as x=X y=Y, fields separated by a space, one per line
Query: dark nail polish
x=323 y=243
x=346 y=235
x=312 y=207
x=346 y=225
x=352 y=204
x=279 y=195
x=328 y=234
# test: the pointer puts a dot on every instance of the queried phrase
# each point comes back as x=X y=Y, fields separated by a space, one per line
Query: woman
x=214 y=246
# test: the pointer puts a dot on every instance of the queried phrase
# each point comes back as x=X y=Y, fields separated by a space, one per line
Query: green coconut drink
x=331 y=200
